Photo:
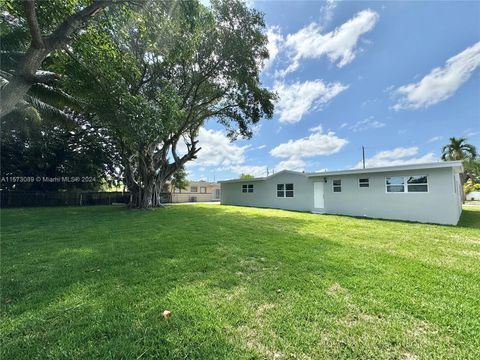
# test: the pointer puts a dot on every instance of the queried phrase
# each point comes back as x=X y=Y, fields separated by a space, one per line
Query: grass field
x=242 y=283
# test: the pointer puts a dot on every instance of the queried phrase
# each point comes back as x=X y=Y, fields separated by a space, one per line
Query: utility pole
x=363 y=156
x=267 y=170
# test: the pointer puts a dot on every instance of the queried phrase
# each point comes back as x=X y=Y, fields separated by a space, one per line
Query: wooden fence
x=65 y=198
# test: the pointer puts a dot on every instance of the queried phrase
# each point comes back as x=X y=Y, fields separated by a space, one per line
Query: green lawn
x=242 y=283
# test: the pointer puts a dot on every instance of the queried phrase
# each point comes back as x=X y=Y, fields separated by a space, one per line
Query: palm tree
x=45 y=98
x=458 y=149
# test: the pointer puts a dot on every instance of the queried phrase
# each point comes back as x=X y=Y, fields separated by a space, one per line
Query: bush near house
x=469 y=186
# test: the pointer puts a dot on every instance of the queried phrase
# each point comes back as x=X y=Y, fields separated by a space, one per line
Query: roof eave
x=436 y=165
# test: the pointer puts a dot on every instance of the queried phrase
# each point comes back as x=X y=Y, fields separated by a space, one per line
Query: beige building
x=197 y=191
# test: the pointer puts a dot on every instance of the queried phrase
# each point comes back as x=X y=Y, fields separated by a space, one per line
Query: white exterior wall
x=439 y=205
x=265 y=192
x=442 y=203
x=474 y=195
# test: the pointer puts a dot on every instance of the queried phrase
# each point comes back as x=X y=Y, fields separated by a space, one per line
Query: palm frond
x=48 y=112
x=54 y=96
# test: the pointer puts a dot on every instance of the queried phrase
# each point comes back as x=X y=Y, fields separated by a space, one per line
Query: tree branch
x=60 y=36
x=34 y=27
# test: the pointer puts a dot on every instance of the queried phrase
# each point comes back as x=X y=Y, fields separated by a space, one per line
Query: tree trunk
x=147 y=196
x=12 y=93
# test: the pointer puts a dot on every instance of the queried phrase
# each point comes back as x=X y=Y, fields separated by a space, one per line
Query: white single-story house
x=430 y=193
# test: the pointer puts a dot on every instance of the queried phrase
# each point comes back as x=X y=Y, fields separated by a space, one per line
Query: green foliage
x=54 y=150
x=43 y=99
x=458 y=149
x=179 y=179
x=151 y=73
x=154 y=75
x=472 y=170
x=242 y=283
x=50 y=13
x=247 y=176
x=470 y=186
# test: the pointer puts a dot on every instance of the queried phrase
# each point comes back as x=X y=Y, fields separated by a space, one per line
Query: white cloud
x=397 y=156
x=365 y=124
x=317 y=128
x=441 y=83
x=275 y=41
x=255 y=170
x=435 y=138
x=316 y=144
x=339 y=45
x=397 y=153
x=216 y=150
x=294 y=164
x=297 y=99
x=261 y=147
x=326 y=12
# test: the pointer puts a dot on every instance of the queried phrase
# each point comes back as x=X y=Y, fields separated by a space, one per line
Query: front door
x=318 y=201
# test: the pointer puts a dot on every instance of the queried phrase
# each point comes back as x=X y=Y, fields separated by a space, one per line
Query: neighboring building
x=430 y=193
x=473 y=196
x=196 y=191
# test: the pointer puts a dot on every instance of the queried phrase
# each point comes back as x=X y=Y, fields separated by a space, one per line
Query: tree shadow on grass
x=112 y=273
x=94 y=281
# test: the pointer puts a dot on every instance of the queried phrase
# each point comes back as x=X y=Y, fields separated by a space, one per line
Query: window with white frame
x=364 y=183
x=337 y=185
x=285 y=190
x=193 y=189
x=247 y=188
x=406 y=184
x=203 y=189
x=418 y=183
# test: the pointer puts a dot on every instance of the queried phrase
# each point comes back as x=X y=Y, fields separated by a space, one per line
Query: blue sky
x=396 y=77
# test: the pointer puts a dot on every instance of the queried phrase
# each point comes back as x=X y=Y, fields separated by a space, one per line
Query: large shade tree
x=155 y=77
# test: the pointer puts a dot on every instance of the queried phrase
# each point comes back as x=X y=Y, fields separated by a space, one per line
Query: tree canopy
x=155 y=76
x=458 y=149
x=32 y=31
x=144 y=76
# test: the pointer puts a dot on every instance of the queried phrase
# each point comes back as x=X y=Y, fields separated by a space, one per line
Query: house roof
x=426 y=166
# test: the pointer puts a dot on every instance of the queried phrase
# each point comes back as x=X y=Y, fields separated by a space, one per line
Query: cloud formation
x=294 y=164
x=441 y=83
x=275 y=42
x=365 y=124
x=397 y=156
x=297 y=99
x=216 y=150
x=316 y=144
x=339 y=45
